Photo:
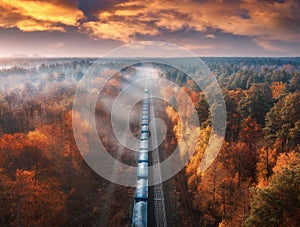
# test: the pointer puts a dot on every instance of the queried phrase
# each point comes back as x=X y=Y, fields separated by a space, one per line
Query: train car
x=145 y=128
x=142 y=170
x=141 y=192
x=144 y=136
x=140 y=208
x=142 y=156
x=144 y=145
x=144 y=122
x=140 y=214
x=145 y=117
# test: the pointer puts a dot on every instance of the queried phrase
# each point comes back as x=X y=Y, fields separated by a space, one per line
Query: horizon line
x=132 y=57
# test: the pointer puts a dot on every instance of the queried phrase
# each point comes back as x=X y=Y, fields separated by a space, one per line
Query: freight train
x=140 y=208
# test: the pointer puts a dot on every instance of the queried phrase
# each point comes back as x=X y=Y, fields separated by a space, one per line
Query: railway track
x=160 y=219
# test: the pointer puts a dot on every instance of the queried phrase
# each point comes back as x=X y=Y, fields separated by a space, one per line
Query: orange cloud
x=267 y=45
x=34 y=25
x=273 y=20
x=117 y=30
x=33 y=15
x=262 y=20
x=198 y=47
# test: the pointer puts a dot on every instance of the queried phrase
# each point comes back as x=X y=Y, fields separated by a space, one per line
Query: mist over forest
x=254 y=180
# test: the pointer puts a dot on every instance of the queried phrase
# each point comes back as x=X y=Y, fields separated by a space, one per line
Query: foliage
x=278 y=204
x=45 y=182
x=283 y=121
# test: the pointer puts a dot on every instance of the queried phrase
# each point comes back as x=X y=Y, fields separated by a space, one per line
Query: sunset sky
x=206 y=27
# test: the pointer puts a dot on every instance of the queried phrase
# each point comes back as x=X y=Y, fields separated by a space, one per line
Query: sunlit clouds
x=116 y=30
x=38 y=15
x=269 y=20
x=263 y=21
x=272 y=26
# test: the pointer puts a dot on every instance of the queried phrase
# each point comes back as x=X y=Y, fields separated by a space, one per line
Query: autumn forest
x=254 y=181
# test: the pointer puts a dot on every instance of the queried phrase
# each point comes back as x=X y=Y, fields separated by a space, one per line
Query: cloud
x=92 y=8
x=39 y=15
x=260 y=19
x=57 y=45
x=269 y=46
x=117 y=30
x=270 y=20
x=211 y=36
x=125 y=21
x=198 y=47
x=187 y=22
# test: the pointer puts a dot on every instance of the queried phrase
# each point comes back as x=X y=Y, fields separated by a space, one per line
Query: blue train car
x=140 y=208
x=144 y=128
x=140 y=214
x=141 y=190
x=144 y=136
x=143 y=156
x=144 y=145
x=144 y=122
x=142 y=170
